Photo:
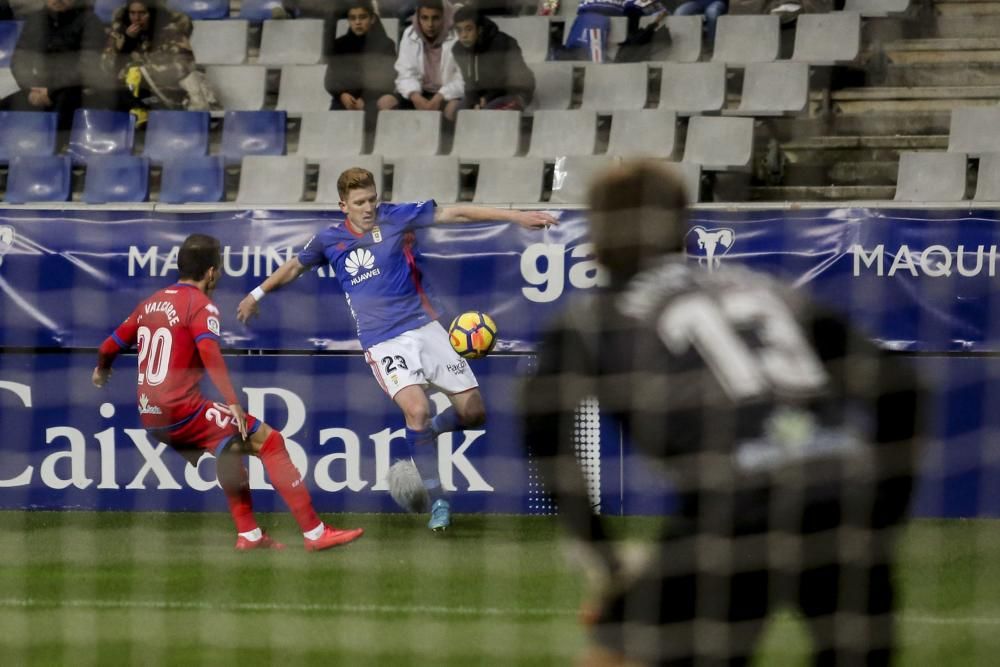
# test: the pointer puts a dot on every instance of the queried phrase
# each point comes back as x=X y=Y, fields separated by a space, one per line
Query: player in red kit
x=177 y=334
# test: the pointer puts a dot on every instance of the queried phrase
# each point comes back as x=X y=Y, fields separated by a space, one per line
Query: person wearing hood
x=427 y=76
x=360 y=76
x=494 y=71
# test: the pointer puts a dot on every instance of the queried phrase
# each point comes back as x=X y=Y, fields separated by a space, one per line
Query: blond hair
x=354 y=178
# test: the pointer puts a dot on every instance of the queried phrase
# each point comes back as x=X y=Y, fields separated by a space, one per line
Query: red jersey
x=169 y=328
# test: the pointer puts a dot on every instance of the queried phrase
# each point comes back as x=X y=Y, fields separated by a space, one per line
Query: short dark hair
x=198 y=254
x=638 y=211
x=466 y=13
x=366 y=5
x=431 y=4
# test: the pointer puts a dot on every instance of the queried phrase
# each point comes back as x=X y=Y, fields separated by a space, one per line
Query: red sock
x=236 y=484
x=286 y=479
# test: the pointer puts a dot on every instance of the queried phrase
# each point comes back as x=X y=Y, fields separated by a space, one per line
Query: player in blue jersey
x=588 y=36
x=374 y=260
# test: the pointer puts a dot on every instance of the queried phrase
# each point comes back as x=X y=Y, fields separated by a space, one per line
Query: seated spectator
x=494 y=71
x=588 y=36
x=427 y=77
x=360 y=76
x=712 y=9
x=149 y=54
x=55 y=58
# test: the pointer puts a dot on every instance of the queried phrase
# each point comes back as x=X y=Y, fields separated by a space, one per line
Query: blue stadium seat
x=9 y=32
x=193 y=180
x=105 y=9
x=116 y=178
x=100 y=133
x=252 y=133
x=258 y=10
x=38 y=178
x=171 y=134
x=201 y=9
x=27 y=133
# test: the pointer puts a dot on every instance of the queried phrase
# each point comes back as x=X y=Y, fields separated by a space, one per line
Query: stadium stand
x=553 y=85
x=974 y=131
x=176 y=134
x=988 y=183
x=827 y=39
x=531 y=33
x=239 y=87
x=693 y=88
x=105 y=9
x=573 y=174
x=27 y=133
x=486 y=134
x=774 y=89
x=926 y=176
x=220 y=42
x=692 y=179
x=259 y=10
x=877 y=8
x=272 y=179
x=252 y=133
x=720 y=143
x=643 y=132
x=98 y=133
x=193 y=180
x=558 y=133
x=116 y=179
x=325 y=134
x=507 y=180
x=38 y=178
x=609 y=87
x=200 y=9
x=423 y=178
x=747 y=39
x=298 y=42
x=302 y=89
x=686 y=35
x=9 y=32
x=330 y=170
x=404 y=134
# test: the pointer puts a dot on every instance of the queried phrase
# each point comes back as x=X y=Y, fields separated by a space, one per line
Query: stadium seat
x=773 y=89
x=98 y=133
x=974 y=130
x=988 y=184
x=877 y=8
x=176 y=134
x=573 y=174
x=643 y=132
x=567 y=9
x=252 y=133
x=693 y=88
x=746 y=39
x=486 y=134
x=105 y=9
x=719 y=144
x=193 y=180
x=239 y=87
x=422 y=178
x=201 y=9
x=401 y=134
x=27 y=133
x=827 y=39
x=531 y=33
x=553 y=85
x=38 y=178
x=391 y=28
x=270 y=179
x=259 y=10
x=220 y=42
x=298 y=42
x=9 y=32
x=607 y=87
x=691 y=173
x=302 y=89
x=558 y=133
x=617 y=33
x=931 y=176
x=116 y=178
x=513 y=180
x=686 y=36
x=331 y=133
x=330 y=170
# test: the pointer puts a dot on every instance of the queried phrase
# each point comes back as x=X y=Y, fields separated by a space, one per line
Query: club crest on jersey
x=709 y=245
x=6 y=240
x=360 y=264
x=146 y=409
x=376 y=234
x=213 y=325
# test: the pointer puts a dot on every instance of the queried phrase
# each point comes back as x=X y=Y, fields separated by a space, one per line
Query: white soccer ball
x=406 y=487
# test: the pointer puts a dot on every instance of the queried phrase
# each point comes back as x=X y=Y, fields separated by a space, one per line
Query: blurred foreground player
x=177 y=333
x=790 y=440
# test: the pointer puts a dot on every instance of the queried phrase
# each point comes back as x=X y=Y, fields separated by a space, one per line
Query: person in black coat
x=361 y=74
x=495 y=74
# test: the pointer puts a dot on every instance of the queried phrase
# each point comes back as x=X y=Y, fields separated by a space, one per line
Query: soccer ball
x=473 y=334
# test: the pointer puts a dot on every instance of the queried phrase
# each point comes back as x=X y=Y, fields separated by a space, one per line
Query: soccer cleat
x=265 y=542
x=440 y=515
x=332 y=537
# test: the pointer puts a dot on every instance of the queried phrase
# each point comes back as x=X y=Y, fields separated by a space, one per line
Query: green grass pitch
x=82 y=588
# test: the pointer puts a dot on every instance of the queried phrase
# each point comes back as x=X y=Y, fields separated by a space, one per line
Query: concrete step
x=986 y=8
x=943 y=74
x=966 y=26
x=947 y=50
x=841 y=173
x=868 y=124
x=823 y=193
x=907 y=99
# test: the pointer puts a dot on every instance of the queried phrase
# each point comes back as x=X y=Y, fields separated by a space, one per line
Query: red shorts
x=210 y=428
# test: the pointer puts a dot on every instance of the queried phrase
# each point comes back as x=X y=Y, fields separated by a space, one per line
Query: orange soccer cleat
x=265 y=542
x=333 y=537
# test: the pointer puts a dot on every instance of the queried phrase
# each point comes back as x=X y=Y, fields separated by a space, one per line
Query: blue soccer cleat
x=440 y=515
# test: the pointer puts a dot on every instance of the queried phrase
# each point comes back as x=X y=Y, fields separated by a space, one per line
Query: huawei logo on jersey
x=359 y=259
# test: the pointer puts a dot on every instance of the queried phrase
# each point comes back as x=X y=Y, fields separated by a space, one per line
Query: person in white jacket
x=427 y=76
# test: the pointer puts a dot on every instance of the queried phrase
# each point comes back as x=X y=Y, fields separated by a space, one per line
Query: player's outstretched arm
x=286 y=273
x=526 y=219
x=122 y=339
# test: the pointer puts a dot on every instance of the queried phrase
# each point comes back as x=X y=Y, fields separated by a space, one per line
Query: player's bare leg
x=422 y=443
x=268 y=445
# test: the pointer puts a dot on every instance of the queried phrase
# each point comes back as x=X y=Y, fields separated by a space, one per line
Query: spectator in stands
x=56 y=56
x=6 y=13
x=494 y=71
x=149 y=54
x=588 y=36
x=427 y=77
x=712 y=9
x=360 y=75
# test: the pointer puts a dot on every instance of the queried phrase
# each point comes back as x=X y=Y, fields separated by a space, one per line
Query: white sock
x=253 y=535
x=316 y=532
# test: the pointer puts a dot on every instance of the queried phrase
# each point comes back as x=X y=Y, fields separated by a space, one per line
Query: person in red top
x=177 y=334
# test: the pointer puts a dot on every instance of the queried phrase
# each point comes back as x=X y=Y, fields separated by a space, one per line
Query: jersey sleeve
x=205 y=323
x=125 y=334
x=410 y=215
x=313 y=254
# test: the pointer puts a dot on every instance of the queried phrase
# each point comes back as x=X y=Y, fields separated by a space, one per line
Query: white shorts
x=422 y=356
